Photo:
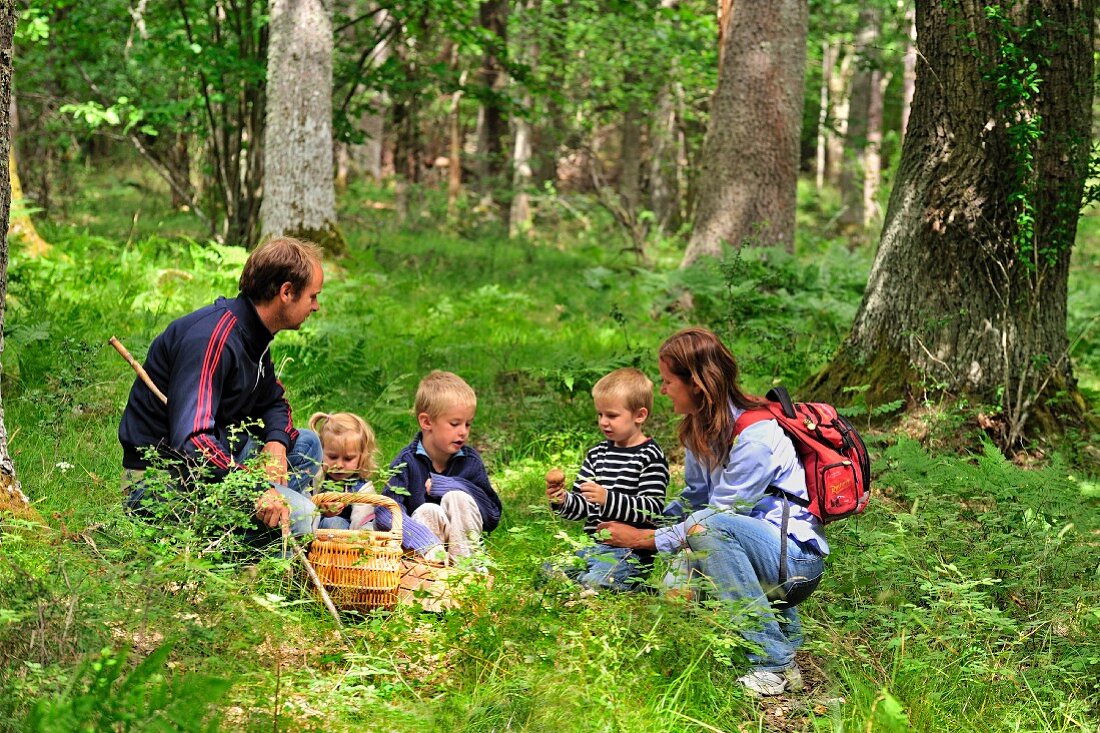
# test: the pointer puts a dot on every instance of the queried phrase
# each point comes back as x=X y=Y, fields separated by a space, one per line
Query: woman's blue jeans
x=739 y=555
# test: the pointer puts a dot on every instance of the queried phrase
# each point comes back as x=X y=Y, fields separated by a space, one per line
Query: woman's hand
x=623 y=535
x=594 y=493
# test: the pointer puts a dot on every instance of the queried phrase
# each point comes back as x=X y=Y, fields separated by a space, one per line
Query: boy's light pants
x=455 y=520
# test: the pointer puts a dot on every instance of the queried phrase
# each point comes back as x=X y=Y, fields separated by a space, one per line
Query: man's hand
x=272 y=509
x=594 y=493
x=623 y=535
x=274 y=462
x=428 y=487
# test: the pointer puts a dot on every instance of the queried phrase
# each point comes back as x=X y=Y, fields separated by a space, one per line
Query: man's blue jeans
x=740 y=556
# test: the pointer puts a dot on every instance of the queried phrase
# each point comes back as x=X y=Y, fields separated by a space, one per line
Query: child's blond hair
x=629 y=385
x=351 y=431
x=440 y=391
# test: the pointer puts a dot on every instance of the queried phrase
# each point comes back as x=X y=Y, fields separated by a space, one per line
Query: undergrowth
x=965 y=600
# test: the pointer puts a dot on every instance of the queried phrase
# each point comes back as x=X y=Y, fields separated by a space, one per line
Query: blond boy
x=622 y=479
x=441 y=479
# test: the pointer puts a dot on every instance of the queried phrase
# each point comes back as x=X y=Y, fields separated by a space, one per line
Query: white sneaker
x=761 y=683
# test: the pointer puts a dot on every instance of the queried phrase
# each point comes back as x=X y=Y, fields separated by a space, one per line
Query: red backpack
x=838 y=470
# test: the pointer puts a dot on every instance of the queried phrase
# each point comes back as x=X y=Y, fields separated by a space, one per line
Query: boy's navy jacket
x=466 y=470
x=216 y=370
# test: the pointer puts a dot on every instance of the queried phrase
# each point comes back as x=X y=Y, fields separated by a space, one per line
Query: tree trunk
x=454 y=156
x=872 y=154
x=299 y=194
x=20 y=223
x=12 y=498
x=492 y=122
x=853 y=170
x=664 y=189
x=749 y=174
x=840 y=76
x=828 y=62
x=968 y=288
x=519 y=220
x=909 y=66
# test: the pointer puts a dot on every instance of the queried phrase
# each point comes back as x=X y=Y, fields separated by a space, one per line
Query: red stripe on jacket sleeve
x=204 y=418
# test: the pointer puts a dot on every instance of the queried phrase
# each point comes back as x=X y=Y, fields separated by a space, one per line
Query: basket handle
x=362 y=497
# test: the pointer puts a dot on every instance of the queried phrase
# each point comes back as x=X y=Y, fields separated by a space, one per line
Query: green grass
x=965 y=600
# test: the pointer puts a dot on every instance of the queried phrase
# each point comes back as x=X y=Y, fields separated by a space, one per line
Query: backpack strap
x=779 y=394
x=751 y=417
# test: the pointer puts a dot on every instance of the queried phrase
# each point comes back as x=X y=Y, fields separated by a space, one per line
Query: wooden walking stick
x=298 y=552
x=142 y=374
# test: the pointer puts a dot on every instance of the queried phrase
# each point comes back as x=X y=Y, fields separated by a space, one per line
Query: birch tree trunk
x=840 y=76
x=12 y=498
x=299 y=191
x=968 y=288
x=828 y=61
x=749 y=174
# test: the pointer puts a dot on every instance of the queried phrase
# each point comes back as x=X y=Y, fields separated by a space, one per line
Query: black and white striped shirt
x=635 y=478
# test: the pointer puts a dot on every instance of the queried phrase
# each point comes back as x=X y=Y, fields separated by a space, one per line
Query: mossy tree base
x=1059 y=412
x=328 y=237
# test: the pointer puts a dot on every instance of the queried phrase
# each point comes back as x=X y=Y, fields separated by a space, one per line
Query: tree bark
x=840 y=76
x=492 y=122
x=20 y=223
x=853 y=170
x=828 y=62
x=12 y=498
x=299 y=192
x=968 y=289
x=749 y=173
x=909 y=72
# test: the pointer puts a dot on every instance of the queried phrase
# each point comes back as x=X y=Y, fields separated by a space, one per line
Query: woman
x=737 y=492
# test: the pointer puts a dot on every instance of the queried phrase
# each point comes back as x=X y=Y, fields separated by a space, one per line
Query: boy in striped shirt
x=622 y=479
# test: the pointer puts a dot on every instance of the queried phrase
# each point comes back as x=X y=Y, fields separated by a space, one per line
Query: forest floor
x=966 y=599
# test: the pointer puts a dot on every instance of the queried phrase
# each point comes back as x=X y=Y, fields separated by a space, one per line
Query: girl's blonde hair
x=348 y=429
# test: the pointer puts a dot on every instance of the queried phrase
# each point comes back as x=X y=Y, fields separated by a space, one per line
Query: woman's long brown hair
x=698 y=357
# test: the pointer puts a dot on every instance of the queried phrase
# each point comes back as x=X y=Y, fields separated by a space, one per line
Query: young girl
x=349 y=453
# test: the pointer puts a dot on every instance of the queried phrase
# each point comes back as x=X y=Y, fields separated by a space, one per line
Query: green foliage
x=781 y=316
x=965 y=599
x=105 y=696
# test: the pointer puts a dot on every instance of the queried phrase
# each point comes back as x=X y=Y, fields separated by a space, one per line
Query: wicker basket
x=360 y=569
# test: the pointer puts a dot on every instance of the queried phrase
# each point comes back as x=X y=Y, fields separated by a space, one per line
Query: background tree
x=12 y=497
x=984 y=209
x=299 y=188
x=749 y=169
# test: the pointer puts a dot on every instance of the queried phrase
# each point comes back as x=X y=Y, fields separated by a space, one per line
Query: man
x=223 y=396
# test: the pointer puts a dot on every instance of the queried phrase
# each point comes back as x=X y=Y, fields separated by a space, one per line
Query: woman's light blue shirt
x=762 y=456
